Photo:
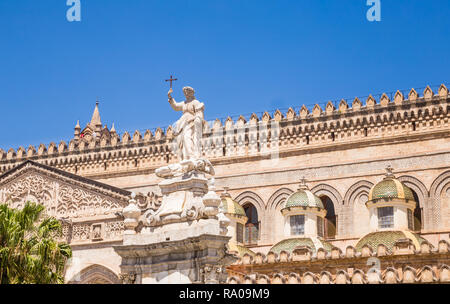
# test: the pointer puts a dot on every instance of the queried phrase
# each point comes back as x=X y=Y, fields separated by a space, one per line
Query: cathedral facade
x=355 y=192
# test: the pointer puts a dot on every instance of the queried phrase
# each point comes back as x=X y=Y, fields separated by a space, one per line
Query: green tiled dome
x=304 y=198
x=388 y=239
x=290 y=244
x=229 y=206
x=241 y=250
x=390 y=188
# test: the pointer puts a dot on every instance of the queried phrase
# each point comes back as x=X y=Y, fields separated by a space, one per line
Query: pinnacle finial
x=77 y=130
x=211 y=184
x=96 y=120
x=225 y=192
x=303 y=185
x=389 y=172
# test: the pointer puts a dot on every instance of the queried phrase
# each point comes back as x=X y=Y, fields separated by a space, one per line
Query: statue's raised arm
x=177 y=106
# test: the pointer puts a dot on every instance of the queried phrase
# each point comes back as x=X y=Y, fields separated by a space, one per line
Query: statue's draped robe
x=188 y=129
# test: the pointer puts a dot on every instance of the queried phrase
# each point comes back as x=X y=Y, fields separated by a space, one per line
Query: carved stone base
x=185 y=240
x=182 y=200
x=175 y=232
x=198 y=259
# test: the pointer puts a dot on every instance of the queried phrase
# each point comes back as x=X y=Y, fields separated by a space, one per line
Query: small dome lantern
x=238 y=219
x=304 y=213
x=391 y=204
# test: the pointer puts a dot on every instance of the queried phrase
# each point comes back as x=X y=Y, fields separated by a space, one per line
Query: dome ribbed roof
x=241 y=250
x=390 y=188
x=229 y=206
x=388 y=239
x=303 y=197
x=290 y=244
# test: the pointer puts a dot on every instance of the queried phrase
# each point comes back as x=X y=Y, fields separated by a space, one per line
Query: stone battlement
x=404 y=118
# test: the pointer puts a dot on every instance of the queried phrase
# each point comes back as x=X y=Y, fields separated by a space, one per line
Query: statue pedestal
x=176 y=255
x=185 y=240
x=182 y=200
x=175 y=231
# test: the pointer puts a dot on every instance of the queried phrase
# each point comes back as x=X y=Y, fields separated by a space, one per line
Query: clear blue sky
x=241 y=56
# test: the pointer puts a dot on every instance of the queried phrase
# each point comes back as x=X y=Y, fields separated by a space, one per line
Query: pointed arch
x=95 y=274
x=361 y=186
x=354 y=204
x=250 y=197
x=273 y=211
x=277 y=198
x=423 y=196
x=332 y=201
x=324 y=189
x=255 y=210
x=438 y=198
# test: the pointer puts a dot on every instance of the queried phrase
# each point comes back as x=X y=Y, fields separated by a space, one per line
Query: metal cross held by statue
x=171 y=79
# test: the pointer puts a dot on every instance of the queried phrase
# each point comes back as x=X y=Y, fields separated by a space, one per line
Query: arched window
x=417 y=213
x=239 y=233
x=385 y=217
x=251 y=232
x=297 y=224
x=330 y=222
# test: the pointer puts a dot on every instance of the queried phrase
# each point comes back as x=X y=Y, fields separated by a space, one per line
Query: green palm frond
x=29 y=250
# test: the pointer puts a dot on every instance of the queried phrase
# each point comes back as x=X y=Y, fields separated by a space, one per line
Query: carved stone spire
x=77 y=130
x=96 y=122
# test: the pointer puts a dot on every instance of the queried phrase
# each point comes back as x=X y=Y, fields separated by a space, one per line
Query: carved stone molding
x=127 y=278
x=213 y=274
x=63 y=196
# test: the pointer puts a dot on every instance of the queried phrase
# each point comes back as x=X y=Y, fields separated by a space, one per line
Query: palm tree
x=29 y=250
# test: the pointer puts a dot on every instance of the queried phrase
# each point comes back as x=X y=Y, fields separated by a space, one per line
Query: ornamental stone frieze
x=63 y=195
x=213 y=274
x=89 y=211
x=92 y=232
x=127 y=278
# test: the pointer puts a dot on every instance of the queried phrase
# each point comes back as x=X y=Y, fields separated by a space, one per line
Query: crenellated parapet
x=98 y=151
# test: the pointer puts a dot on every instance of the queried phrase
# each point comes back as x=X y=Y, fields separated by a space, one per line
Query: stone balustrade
x=426 y=264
